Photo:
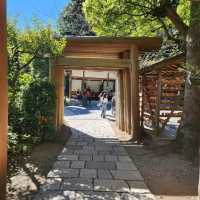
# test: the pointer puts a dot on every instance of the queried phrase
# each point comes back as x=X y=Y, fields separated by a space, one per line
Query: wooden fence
x=162 y=93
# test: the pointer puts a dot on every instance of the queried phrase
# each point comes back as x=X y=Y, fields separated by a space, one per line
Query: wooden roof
x=171 y=64
x=94 y=44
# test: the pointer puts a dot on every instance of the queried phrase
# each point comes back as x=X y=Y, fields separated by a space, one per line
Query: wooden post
x=142 y=89
x=3 y=101
x=158 y=99
x=121 y=100
x=58 y=78
x=127 y=101
x=134 y=73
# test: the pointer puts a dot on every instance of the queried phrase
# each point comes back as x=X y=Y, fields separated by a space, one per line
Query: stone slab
x=110 y=185
x=85 y=157
x=100 y=165
x=127 y=175
x=111 y=158
x=77 y=184
x=77 y=164
x=88 y=173
x=138 y=187
x=98 y=158
x=86 y=195
x=51 y=184
x=125 y=166
x=67 y=157
x=124 y=158
x=61 y=164
x=64 y=173
x=103 y=174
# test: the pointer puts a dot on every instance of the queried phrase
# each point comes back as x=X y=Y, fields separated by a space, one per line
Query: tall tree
x=72 y=20
x=147 y=17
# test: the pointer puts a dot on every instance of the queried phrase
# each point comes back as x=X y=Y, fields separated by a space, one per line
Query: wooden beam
x=3 y=101
x=134 y=73
x=92 y=62
x=91 y=78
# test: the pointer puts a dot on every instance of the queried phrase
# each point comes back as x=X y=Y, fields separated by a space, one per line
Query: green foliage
x=39 y=109
x=135 y=18
x=28 y=53
x=72 y=20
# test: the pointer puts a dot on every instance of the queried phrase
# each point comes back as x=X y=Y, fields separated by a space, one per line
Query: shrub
x=39 y=103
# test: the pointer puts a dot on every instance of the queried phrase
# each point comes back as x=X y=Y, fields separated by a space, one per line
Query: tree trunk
x=188 y=135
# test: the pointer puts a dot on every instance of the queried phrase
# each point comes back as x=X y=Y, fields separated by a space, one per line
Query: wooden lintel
x=92 y=62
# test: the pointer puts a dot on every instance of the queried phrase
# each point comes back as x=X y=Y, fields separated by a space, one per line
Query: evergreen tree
x=72 y=20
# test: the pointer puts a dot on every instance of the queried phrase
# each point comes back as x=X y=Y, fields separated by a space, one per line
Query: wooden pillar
x=158 y=99
x=58 y=79
x=120 y=101
x=127 y=102
x=134 y=74
x=3 y=101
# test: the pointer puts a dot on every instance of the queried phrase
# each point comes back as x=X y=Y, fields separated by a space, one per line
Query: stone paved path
x=93 y=164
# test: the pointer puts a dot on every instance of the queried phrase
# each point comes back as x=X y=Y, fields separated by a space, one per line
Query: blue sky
x=45 y=10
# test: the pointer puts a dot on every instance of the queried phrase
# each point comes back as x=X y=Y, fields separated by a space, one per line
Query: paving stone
x=88 y=173
x=98 y=157
x=111 y=158
x=104 y=152
x=65 y=173
x=51 y=184
x=61 y=164
x=110 y=185
x=125 y=166
x=77 y=184
x=77 y=164
x=67 y=157
x=126 y=196
x=138 y=187
x=49 y=195
x=125 y=158
x=127 y=175
x=104 y=174
x=145 y=196
x=85 y=152
x=85 y=157
x=100 y=165
x=86 y=195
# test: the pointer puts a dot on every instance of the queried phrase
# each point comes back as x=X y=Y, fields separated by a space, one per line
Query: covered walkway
x=93 y=163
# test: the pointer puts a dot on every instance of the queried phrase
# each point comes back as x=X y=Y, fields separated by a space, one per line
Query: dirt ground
x=25 y=174
x=167 y=174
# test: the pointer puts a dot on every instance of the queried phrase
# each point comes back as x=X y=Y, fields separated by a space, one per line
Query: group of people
x=86 y=97
x=103 y=103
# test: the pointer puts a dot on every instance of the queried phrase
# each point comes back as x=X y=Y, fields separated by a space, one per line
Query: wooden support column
x=127 y=101
x=134 y=75
x=158 y=99
x=120 y=102
x=58 y=79
x=3 y=101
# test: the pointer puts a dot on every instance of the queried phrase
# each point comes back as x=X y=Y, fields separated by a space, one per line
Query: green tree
x=27 y=59
x=151 y=17
x=72 y=20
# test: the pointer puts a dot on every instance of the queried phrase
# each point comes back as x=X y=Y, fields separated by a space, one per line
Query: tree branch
x=176 y=20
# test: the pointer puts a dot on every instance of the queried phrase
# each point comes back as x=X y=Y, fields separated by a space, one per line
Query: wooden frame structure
x=3 y=100
x=162 y=92
x=106 y=54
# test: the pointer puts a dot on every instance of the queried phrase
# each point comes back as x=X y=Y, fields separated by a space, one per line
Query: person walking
x=104 y=104
x=113 y=105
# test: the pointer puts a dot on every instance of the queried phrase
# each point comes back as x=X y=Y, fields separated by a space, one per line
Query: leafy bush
x=39 y=109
